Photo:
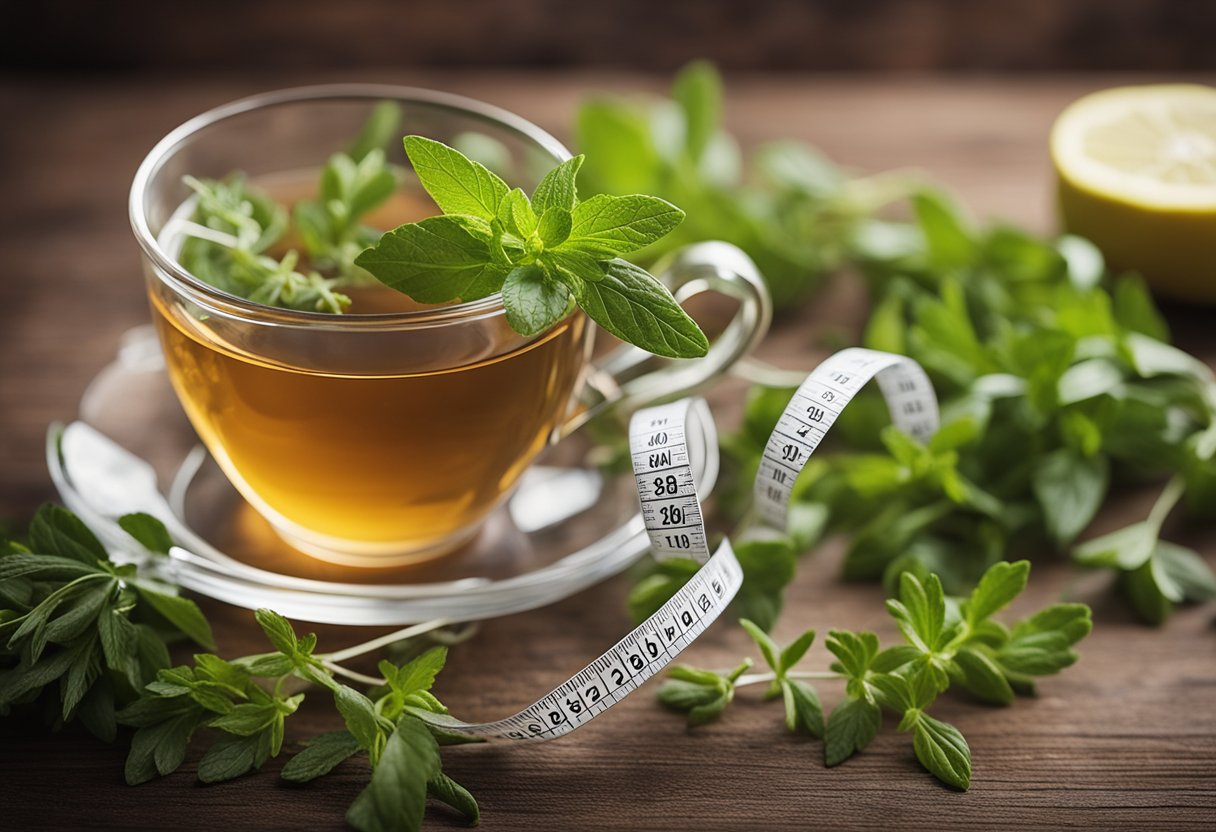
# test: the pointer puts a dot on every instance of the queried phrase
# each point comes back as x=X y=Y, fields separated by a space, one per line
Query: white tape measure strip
x=819 y=401
x=664 y=442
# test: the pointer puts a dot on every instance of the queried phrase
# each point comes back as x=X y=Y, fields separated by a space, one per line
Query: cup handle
x=620 y=379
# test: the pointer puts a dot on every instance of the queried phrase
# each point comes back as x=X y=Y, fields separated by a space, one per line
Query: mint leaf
x=457 y=184
x=434 y=261
x=949 y=244
x=621 y=158
x=795 y=650
x=855 y=652
x=396 y=797
x=941 y=749
x=633 y=305
x=378 y=131
x=768 y=647
x=1184 y=572
x=150 y=532
x=607 y=226
x=920 y=612
x=182 y=613
x=1127 y=548
x=533 y=301
x=56 y=531
x=448 y=791
x=996 y=589
x=851 y=726
x=802 y=709
x=983 y=677
x=1146 y=596
x=359 y=714
x=322 y=754
x=554 y=227
x=698 y=91
x=1070 y=488
x=516 y=215
x=418 y=674
x=231 y=756
x=557 y=189
x=278 y=631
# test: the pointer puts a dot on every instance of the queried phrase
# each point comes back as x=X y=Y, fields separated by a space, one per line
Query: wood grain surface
x=1125 y=739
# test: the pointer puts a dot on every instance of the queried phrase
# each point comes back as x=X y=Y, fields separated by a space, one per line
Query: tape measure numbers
x=667 y=445
x=815 y=407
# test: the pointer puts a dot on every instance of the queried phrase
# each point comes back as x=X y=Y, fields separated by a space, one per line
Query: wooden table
x=1127 y=738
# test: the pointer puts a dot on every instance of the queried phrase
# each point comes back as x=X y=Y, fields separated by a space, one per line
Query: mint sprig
x=544 y=253
x=945 y=644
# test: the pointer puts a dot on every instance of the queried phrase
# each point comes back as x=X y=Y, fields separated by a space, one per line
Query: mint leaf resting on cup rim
x=545 y=254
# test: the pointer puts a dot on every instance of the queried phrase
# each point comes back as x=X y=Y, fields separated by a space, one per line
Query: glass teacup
x=380 y=439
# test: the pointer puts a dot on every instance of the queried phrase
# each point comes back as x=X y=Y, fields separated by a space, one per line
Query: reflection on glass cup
x=383 y=438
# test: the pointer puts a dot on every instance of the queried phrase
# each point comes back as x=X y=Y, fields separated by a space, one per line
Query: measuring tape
x=664 y=442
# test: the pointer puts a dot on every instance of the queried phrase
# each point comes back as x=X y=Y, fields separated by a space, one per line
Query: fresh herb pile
x=545 y=254
x=1057 y=378
x=85 y=639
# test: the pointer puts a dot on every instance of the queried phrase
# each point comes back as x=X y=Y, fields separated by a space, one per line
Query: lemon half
x=1137 y=176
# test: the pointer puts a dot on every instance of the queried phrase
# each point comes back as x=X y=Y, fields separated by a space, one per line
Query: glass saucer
x=567 y=526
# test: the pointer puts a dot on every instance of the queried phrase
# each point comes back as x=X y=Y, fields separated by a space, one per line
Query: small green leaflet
x=456 y=183
x=537 y=253
x=942 y=750
x=534 y=301
x=633 y=305
x=434 y=261
x=322 y=755
x=609 y=226
x=396 y=797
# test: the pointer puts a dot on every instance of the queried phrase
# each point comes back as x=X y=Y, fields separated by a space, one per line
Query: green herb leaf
x=1186 y=575
x=182 y=613
x=608 y=226
x=1000 y=584
x=378 y=131
x=448 y=791
x=634 y=306
x=698 y=91
x=434 y=261
x=56 y=531
x=150 y=532
x=396 y=797
x=1070 y=488
x=941 y=749
x=768 y=647
x=360 y=716
x=322 y=754
x=921 y=611
x=532 y=300
x=983 y=677
x=851 y=726
x=457 y=184
x=554 y=227
x=557 y=189
x=231 y=756
x=802 y=709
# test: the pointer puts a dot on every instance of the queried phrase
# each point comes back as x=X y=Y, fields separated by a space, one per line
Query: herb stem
x=761 y=678
x=339 y=670
x=1170 y=495
x=384 y=641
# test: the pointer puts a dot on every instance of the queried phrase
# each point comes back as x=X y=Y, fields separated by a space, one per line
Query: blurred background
x=965 y=90
x=60 y=36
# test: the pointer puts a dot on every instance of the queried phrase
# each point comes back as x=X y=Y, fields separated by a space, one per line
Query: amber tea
x=380 y=465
